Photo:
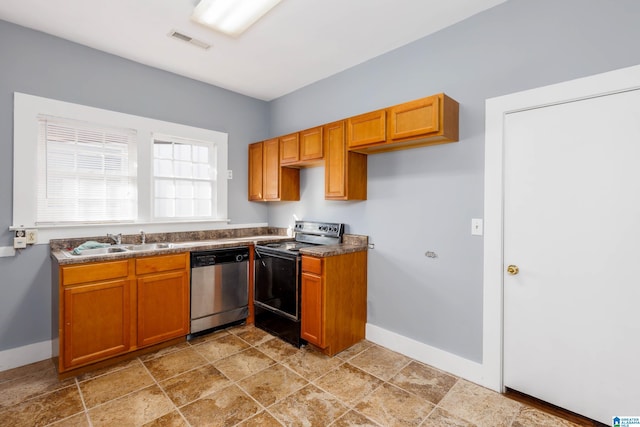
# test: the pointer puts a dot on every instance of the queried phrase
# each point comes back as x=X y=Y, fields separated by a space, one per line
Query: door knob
x=513 y=269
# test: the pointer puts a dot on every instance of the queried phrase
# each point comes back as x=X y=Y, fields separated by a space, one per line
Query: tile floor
x=244 y=377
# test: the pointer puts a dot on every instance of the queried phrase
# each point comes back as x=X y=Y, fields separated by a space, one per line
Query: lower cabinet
x=96 y=322
x=334 y=301
x=163 y=302
x=111 y=308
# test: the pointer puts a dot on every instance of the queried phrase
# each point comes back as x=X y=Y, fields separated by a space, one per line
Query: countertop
x=351 y=243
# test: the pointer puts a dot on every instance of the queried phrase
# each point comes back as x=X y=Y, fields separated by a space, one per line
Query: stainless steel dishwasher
x=219 y=288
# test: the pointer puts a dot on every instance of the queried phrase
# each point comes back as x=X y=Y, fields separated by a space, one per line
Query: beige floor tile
x=172 y=419
x=441 y=418
x=263 y=419
x=277 y=349
x=424 y=381
x=23 y=385
x=479 y=405
x=243 y=364
x=252 y=335
x=78 y=420
x=532 y=417
x=380 y=362
x=116 y=384
x=164 y=351
x=26 y=370
x=226 y=407
x=174 y=363
x=44 y=409
x=354 y=350
x=308 y=407
x=109 y=369
x=348 y=383
x=134 y=409
x=390 y=406
x=223 y=346
x=311 y=364
x=194 y=384
x=210 y=336
x=353 y=418
x=272 y=384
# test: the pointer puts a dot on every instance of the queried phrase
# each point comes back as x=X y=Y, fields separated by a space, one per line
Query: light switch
x=476 y=226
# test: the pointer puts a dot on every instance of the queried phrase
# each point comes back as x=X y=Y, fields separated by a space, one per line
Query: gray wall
x=424 y=199
x=42 y=65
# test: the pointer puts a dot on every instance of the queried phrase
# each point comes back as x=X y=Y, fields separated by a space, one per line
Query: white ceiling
x=297 y=43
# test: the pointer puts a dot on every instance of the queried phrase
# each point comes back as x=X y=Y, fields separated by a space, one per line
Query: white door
x=572 y=227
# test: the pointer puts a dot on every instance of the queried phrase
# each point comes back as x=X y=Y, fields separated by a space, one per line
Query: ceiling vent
x=185 y=38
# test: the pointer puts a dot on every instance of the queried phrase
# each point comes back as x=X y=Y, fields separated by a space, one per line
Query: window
x=88 y=168
x=184 y=178
x=85 y=173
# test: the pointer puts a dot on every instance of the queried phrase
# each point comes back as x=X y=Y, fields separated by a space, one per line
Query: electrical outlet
x=229 y=174
x=32 y=237
x=19 y=242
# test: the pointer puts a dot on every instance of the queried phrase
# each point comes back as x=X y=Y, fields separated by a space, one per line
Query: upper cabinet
x=427 y=121
x=268 y=180
x=302 y=148
x=343 y=147
x=367 y=129
x=345 y=172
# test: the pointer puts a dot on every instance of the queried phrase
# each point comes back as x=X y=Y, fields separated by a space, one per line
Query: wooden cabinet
x=268 y=181
x=110 y=308
x=95 y=314
x=255 y=171
x=289 y=149
x=334 y=301
x=367 y=129
x=345 y=171
x=302 y=148
x=163 y=298
x=311 y=146
x=426 y=121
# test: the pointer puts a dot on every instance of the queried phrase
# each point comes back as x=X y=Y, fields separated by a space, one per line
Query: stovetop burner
x=309 y=233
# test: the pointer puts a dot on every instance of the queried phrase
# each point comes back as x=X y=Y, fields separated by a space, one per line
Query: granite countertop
x=60 y=249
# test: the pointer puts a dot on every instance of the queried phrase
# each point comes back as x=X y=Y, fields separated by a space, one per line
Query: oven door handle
x=275 y=310
x=293 y=257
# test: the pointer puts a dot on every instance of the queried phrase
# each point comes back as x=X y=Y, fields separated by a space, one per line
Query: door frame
x=496 y=111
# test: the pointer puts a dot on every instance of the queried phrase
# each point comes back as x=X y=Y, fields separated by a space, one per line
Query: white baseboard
x=25 y=355
x=440 y=359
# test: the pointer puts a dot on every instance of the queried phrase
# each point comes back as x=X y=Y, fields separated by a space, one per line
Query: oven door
x=276 y=283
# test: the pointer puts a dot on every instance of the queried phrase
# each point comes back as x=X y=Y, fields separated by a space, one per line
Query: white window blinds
x=86 y=173
x=184 y=175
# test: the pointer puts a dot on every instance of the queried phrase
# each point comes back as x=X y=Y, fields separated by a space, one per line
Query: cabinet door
x=271 y=169
x=312 y=323
x=368 y=128
x=96 y=321
x=311 y=144
x=345 y=172
x=163 y=307
x=255 y=171
x=414 y=119
x=289 y=149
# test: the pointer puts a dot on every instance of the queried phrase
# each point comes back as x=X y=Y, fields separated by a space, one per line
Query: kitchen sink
x=96 y=251
x=149 y=246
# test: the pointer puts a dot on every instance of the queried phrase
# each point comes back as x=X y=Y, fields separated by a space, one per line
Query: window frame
x=27 y=108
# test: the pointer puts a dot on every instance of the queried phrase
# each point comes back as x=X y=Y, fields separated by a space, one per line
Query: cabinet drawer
x=86 y=273
x=161 y=263
x=311 y=265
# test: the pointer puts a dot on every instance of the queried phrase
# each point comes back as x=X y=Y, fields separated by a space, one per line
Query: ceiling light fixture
x=231 y=17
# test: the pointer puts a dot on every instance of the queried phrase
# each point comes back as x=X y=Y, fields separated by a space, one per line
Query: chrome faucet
x=117 y=238
x=143 y=237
